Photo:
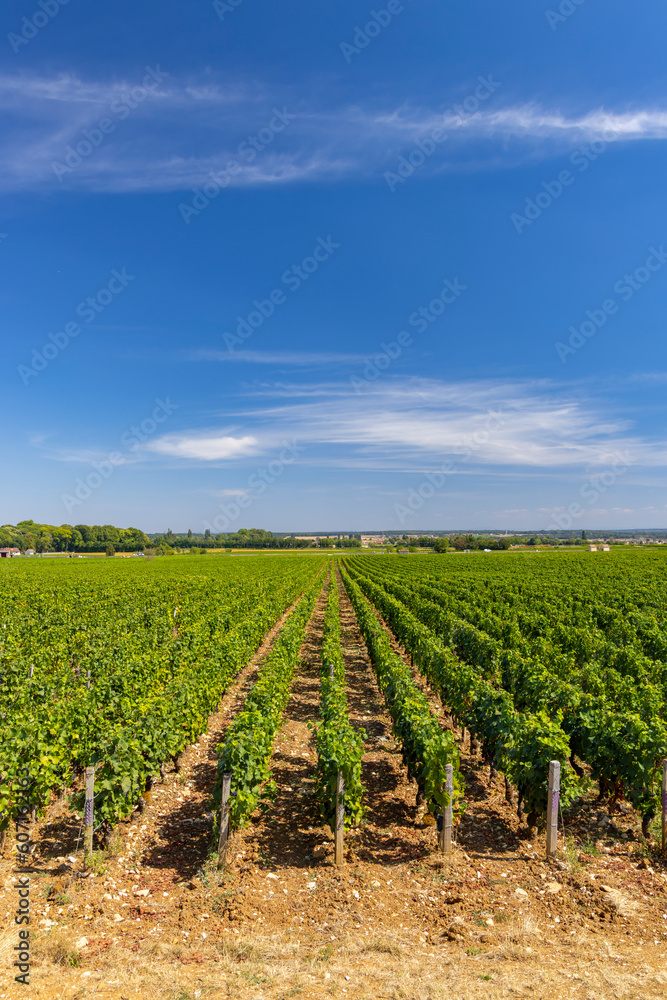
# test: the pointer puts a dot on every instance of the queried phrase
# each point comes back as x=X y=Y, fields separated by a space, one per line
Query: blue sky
x=334 y=267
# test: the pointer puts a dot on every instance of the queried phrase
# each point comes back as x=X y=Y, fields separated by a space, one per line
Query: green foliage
x=520 y=745
x=339 y=746
x=426 y=748
x=162 y=641
x=68 y=538
x=563 y=640
x=247 y=749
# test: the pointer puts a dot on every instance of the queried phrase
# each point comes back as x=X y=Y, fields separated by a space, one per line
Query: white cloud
x=485 y=427
x=187 y=128
x=205 y=447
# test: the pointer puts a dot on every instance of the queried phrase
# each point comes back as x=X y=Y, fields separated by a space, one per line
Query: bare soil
x=396 y=921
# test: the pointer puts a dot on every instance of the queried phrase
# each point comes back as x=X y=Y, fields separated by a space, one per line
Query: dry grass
x=257 y=948
x=383 y=945
x=275 y=967
x=522 y=938
x=624 y=905
x=57 y=947
x=7 y=942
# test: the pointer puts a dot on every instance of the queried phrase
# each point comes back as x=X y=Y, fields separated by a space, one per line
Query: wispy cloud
x=310 y=359
x=488 y=427
x=187 y=129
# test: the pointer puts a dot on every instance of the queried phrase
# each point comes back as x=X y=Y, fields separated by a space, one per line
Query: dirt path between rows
x=389 y=833
x=284 y=832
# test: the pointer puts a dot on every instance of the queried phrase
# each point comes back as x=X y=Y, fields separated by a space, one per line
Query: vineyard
x=242 y=695
x=542 y=662
x=112 y=667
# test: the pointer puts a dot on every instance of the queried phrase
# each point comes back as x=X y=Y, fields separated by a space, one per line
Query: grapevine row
x=339 y=746
x=248 y=746
x=174 y=647
x=623 y=748
x=426 y=748
x=520 y=744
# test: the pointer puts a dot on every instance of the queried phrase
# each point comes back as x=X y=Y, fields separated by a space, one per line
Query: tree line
x=29 y=535
x=247 y=538
x=32 y=536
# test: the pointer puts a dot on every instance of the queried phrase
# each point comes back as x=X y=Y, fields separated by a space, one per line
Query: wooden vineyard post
x=224 y=817
x=88 y=812
x=552 y=808
x=445 y=834
x=331 y=671
x=664 y=806
x=340 y=818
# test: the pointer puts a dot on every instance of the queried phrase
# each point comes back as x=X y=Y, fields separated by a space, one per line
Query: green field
x=119 y=663
x=541 y=655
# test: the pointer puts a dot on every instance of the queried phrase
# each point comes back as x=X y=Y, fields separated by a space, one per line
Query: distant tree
x=190 y=532
x=584 y=536
x=86 y=533
x=441 y=545
x=110 y=549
